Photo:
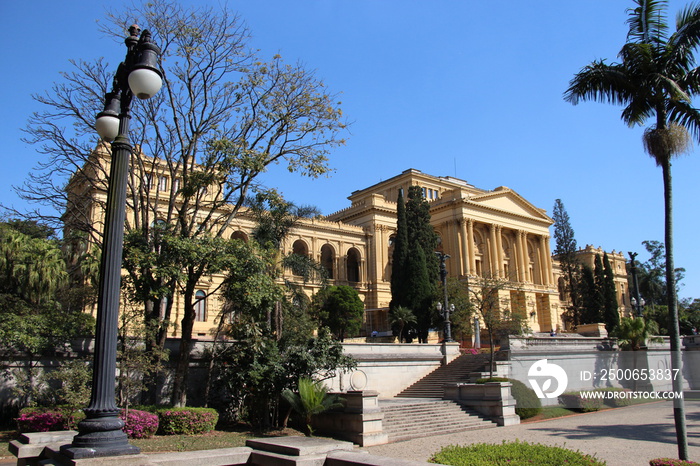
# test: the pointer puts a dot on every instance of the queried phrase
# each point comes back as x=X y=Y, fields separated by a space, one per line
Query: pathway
x=625 y=436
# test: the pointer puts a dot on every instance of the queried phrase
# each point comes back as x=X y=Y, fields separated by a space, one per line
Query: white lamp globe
x=144 y=82
x=107 y=127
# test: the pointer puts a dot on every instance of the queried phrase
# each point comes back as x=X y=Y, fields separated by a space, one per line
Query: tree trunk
x=179 y=395
x=674 y=330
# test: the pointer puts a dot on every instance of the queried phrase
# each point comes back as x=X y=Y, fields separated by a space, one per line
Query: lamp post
x=637 y=301
x=448 y=308
x=100 y=434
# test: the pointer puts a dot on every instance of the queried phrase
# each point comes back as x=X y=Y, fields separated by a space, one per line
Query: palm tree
x=312 y=399
x=655 y=78
x=633 y=333
x=401 y=317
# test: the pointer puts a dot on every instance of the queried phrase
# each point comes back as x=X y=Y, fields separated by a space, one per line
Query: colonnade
x=494 y=251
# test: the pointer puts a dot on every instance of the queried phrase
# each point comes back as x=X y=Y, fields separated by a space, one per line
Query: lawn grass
x=234 y=437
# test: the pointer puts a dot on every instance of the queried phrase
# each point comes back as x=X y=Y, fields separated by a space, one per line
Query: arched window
x=353 y=265
x=327 y=259
x=240 y=235
x=163 y=307
x=505 y=242
x=300 y=249
x=200 y=306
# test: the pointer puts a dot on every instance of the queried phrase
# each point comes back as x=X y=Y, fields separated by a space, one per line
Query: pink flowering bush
x=187 y=421
x=139 y=424
x=46 y=419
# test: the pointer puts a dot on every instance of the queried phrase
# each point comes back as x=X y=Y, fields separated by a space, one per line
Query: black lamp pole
x=100 y=434
x=637 y=301
x=446 y=314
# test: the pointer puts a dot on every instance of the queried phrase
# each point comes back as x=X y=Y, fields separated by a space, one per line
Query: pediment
x=506 y=200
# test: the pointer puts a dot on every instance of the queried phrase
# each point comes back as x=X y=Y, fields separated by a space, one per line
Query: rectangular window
x=163 y=183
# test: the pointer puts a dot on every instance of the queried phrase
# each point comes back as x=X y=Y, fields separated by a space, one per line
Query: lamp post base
x=99 y=437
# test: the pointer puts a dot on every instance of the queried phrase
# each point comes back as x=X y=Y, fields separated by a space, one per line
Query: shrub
x=512 y=454
x=670 y=462
x=187 y=421
x=139 y=424
x=574 y=400
x=616 y=402
x=46 y=419
x=527 y=404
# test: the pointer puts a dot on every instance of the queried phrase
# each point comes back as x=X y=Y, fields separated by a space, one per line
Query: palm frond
x=687 y=35
x=683 y=113
x=600 y=82
x=647 y=22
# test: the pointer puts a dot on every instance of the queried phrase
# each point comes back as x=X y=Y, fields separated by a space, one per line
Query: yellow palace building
x=495 y=234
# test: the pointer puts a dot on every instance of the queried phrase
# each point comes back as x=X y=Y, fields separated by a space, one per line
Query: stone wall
x=388 y=368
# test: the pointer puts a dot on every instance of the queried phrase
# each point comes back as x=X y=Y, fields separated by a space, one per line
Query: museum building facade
x=488 y=234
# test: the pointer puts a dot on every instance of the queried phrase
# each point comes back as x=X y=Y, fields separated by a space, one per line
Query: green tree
x=341 y=310
x=651 y=275
x=592 y=299
x=224 y=116
x=494 y=313
x=655 y=78
x=399 y=255
x=311 y=399
x=611 y=313
x=565 y=250
x=421 y=266
x=401 y=318
x=275 y=217
x=633 y=332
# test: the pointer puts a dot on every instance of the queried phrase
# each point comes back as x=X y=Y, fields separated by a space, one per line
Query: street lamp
x=448 y=308
x=100 y=434
x=446 y=315
x=637 y=301
x=638 y=306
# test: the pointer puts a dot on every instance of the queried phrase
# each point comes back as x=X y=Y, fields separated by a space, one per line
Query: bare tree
x=223 y=117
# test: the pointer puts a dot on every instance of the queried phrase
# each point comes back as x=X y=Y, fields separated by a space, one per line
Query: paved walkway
x=621 y=437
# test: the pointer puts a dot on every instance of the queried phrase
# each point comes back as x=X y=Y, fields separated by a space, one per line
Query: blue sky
x=463 y=88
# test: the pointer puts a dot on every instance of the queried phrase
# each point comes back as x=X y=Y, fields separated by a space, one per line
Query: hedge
x=187 y=421
x=574 y=400
x=37 y=419
x=139 y=424
x=512 y=454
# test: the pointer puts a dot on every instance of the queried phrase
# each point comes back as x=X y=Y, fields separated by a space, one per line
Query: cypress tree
x=599 y=295
x=399 y=256
x=415 y=286
x=610 y=307
x=420 y=231
x=592 y=305
x=565 y=249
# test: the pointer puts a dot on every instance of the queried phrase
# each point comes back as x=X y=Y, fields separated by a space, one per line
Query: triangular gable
x=507 y=200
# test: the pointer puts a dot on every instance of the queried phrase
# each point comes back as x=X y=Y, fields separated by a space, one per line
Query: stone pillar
x=550 y=266
x=493 y=252
x=470 y=250
x=544 y=269
x=499 y=252
x=524 y=257
x=464 y=249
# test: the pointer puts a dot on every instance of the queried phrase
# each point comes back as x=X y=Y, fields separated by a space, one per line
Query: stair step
x=425 y=418
x=402 y=438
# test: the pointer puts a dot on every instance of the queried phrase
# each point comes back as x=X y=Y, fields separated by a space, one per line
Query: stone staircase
x=406 y=418
x=431 y=386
